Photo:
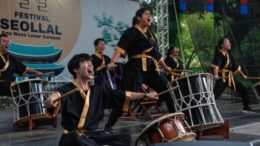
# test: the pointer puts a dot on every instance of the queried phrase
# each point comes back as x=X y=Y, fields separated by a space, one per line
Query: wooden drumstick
x=48 y=73
x=66 y=94
x=168 y=90
x=253 y=78
x=180 y=70
x=224 y=77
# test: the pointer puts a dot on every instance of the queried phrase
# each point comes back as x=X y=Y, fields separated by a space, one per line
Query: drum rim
x=207 y=74
x=159 y=119
x=29 y=80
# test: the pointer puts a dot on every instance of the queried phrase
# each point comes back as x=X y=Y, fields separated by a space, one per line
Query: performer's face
x=85 y=71
x=145 y=19
x=100 y=47
x=175 y=52
x=4 y=44
x=226 y=45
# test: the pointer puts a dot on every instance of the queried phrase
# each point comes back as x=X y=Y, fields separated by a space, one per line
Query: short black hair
x=75 y=61
x=97 y=41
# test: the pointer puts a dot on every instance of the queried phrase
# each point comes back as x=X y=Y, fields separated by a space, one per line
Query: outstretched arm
x=137 y=95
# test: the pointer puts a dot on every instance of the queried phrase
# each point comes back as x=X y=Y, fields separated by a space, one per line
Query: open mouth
x=90 y=71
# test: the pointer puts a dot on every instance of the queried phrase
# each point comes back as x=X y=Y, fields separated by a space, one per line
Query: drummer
x=224 y=67
x=173 y=61
x=139 y=44
x=9 y=66
x=83 y=110
x=99 y=60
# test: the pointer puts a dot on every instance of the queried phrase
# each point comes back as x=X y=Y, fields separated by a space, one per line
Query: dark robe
x=227 y=68
x=174 y=64
x=100 y=62
x=72 y=107
x=7 y=75
x=142 y=66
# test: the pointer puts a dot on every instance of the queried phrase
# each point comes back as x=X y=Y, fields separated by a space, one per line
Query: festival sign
x=42 y=22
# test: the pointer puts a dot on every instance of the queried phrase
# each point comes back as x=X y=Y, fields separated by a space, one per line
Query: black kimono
x=142 y=66
x=83 y=110
x=227 y=68
x=100 y=62
x=174 y=63
x=8 y=67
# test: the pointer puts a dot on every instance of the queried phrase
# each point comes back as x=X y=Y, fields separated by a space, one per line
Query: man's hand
x=216 y=77
x=244 y=76
x=152 y=95
x=49 y=103
x=111 y=66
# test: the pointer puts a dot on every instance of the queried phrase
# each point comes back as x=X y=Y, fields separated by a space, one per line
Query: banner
x=72 y=25
x=42 y=22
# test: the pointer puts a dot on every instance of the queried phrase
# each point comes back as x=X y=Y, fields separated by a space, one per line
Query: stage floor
x=244 y=127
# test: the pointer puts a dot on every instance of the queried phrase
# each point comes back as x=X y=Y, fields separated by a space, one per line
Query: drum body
x=111 y=78
x=170 y=127
x=28 y=97
x=195 y=98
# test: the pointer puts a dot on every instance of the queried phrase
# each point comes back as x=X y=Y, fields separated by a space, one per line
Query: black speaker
x=203 y=143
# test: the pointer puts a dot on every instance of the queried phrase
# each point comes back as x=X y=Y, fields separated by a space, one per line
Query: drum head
x=194 y=75
x=158 y=120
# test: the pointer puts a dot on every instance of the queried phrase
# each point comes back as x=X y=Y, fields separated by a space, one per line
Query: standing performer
x=173 y=61
x=140 y=45
x=83 y=109
x=9 y=66
x=99 y=60
x=224 y=68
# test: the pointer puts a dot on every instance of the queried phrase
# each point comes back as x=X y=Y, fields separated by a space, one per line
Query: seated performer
x=224 y=68
x=173 y=61
x=82 y=110
x=9 y=66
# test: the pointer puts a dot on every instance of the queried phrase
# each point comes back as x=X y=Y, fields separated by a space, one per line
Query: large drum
x=168 y=128
x=28 y=97
x=194 y=97
x=112 y=78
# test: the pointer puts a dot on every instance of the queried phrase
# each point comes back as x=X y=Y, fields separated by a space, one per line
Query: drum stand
x=223 y=130
x=35 y=120
x=144 y=106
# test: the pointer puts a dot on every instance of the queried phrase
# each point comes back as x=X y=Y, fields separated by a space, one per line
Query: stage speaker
x=203 y=143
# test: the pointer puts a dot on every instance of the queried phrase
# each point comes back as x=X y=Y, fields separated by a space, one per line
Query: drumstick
x=66 y=94
x=46 y=73
x=163 y=92
x=180 y=70
x=253 y=78
x=224 y=77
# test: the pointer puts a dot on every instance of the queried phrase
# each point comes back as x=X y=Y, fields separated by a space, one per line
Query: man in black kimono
x=224 y=68
x=82 y=109
x=173 y=61
x=100 y=61
x=9 y=66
